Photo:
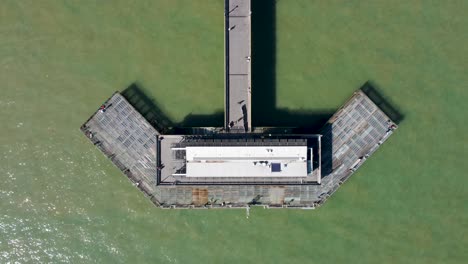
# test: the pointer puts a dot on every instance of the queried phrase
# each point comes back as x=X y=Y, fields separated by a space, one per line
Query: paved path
x=237 y=65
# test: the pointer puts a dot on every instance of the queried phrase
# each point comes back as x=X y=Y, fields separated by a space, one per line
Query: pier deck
x=237 y=30
x=127 y=139
x=156 y=163
x=356 y=131
x=349 y=138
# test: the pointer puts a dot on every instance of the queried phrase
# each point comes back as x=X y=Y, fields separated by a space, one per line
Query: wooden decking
x=351 y=135
x=354 y=132
x=127 y=139
x=349 y=138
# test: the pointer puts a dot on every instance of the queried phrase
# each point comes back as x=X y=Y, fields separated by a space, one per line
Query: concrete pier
x=238 y=58
x=157 y=163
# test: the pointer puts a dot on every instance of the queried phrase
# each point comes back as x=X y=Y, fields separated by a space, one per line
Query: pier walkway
x=237 y=33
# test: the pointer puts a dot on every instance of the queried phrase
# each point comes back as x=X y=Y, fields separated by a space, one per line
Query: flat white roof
x=246 y=161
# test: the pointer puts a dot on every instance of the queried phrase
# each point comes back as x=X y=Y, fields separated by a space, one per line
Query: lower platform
x=348 y=139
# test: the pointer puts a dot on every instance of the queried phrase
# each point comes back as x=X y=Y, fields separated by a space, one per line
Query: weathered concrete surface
x=237 y=65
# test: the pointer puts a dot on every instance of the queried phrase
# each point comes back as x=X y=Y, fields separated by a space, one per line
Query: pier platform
x=156 y=163
x=349 y=138
x=127 y=139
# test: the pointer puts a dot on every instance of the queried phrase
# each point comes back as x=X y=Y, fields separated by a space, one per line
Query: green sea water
x=62 y=201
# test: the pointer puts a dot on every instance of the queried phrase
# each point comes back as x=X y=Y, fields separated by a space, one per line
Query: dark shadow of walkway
x=150 y=110
x=147 y=107
x=371 y=90
x=264 y=110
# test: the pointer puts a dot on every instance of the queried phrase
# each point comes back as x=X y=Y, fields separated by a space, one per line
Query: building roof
x=246 y=161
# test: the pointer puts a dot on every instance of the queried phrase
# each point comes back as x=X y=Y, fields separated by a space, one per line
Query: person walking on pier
x=102 y=108
x=234 y=9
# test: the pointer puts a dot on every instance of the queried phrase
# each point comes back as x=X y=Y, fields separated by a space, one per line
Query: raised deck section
x=173 y=158
x=246 y=161
x=237 y=28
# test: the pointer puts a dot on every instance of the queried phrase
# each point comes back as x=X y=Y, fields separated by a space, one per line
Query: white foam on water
x=42 y=237
x=168 y=258
x=4 y=194
x=36 y=240
x=6 y=103
x=25 y=201
x=11 y=175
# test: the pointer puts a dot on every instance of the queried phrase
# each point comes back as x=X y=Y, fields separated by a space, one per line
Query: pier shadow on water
x=264 y=110
x=372 y=91
x=264 y=91
x=147 y=107
x=150 y=110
